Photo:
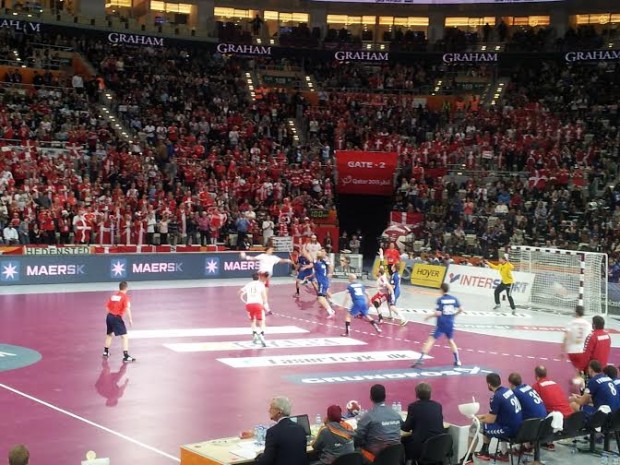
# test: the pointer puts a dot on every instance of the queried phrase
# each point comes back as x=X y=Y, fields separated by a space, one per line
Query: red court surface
x=71 y=401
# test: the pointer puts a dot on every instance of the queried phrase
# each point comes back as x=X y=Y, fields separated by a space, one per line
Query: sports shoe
x=296 y=296
x=268 y=312
x=261 y=338
x=106 y=354
x=457 y=363
x=496 y=307
x=377 y=329
x=514 y=313
x=549 y=446
x=468 y=461
x=418 y=364
x=331 y=315
x=404 y=322
x=483 y=456
x=502 y=457
x=345 y=334
x=128 y=359
x=255 y=338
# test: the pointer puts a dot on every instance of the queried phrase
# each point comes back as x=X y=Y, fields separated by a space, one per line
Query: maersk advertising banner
x=19 y=270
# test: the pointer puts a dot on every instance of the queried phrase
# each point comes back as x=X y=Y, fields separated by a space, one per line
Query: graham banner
x=366 y=173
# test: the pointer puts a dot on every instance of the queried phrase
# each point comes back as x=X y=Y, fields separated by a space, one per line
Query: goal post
x=564 y=279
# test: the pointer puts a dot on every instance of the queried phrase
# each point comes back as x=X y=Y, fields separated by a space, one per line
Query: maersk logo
x=118 y=268
x=241 y=265
x=55 y=270
x=157 y=267
x=212 y=266
x=9 y=271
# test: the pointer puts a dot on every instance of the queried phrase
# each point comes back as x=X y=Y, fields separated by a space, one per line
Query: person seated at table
x=285 y=442
x=379 y=427
x=335 y=438
x=424 y=420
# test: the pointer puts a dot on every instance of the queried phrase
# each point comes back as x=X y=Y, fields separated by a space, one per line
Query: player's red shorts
x=255 y=311
x=576 y=360
x=379 y=297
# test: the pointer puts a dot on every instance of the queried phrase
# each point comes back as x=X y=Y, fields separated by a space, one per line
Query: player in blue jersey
x=530 y=401
x=447 y=308
x=356 y=293
x=395 y=282
x=599 y=391
x=322 y=275
x=305 y=273
x=503 y=420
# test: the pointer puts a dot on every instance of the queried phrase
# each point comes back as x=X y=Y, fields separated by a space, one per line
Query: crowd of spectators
x=207 y=155
x=209 y=163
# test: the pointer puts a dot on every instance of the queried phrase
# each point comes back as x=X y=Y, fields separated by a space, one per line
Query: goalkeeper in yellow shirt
x=505 y=272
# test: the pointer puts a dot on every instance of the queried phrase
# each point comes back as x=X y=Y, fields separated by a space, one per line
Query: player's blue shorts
x=495 y=430
x=448 y=331
x=323 y=287
x=115 y=325
x=304 y=274
x=396 y=296
x=358 y=309
x=588 y=411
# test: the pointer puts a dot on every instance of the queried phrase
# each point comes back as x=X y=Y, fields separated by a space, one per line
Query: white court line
x=200 y=332
x=91 y=423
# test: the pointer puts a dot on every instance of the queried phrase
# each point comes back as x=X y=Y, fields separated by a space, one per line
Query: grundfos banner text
x=366 y=173
x=63 y=269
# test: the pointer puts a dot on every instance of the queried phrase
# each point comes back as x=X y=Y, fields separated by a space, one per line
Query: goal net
x=564 y=278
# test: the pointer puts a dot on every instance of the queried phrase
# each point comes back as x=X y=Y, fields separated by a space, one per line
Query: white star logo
x=118 y=268
x=211 y=267
x=9 y=271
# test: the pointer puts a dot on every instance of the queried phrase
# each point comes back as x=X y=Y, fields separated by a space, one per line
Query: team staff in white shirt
x=266 y=262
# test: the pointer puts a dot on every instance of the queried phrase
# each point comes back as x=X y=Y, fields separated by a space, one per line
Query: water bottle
x=399 y=407
x=394 y=407
x=263 y=434
x=317 y=421
x=257 y=434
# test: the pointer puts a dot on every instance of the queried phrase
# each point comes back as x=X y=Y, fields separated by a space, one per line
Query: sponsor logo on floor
x=387 y=375
x=271 y=344
x=14 y=357
x=320 y=359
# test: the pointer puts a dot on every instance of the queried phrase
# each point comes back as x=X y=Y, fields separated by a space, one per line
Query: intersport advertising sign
x=483 y=281
x=365 y=173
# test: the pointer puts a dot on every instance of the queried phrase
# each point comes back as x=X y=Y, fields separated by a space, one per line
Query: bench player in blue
x=447 y=308
x=503 y=420
x=356 y=293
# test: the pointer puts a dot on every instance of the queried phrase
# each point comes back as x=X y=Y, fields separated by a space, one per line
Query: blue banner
x=62 y=269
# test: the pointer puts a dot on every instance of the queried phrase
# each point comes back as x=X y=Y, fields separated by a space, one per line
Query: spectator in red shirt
x=391 y=255
x=117 y=306
x=598 y=344
x=551 y=393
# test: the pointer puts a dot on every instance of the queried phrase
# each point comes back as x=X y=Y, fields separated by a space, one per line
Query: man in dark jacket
x=424 y=420
x=285 y=443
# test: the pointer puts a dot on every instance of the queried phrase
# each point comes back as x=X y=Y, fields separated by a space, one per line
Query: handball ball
x=353 y=406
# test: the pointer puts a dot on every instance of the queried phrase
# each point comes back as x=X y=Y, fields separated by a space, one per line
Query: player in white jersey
x=266 y=262
x=575 y=334
x=313 y=247
x=254 y=295
x=385 y=292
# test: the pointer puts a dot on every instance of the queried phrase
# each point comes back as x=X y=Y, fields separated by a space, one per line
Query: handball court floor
x=198 y=376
